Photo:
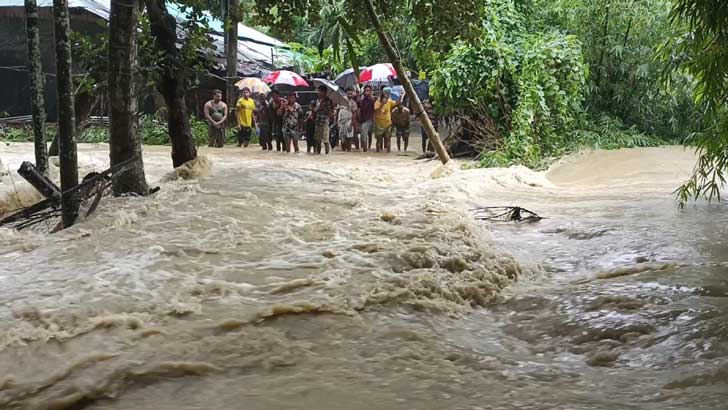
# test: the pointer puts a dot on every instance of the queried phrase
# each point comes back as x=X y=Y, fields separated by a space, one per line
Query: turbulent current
x=360 y=281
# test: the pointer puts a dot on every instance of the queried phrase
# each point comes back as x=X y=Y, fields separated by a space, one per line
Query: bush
x=94 y=135
x=24 y=134
x=608 y=132
x=152 y=131
x=514 y=95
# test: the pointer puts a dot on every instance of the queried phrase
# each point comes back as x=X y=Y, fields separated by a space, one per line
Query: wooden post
x=40 y=181
x=66 y=115
x=124 y=140
x=407 y=84
x=37 y=100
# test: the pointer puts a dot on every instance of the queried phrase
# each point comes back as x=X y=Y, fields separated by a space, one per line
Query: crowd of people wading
x=279 y=118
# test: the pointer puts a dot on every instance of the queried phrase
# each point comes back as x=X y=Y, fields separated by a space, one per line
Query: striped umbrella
x=285 y=77
x=378 y=73
x=255 y=85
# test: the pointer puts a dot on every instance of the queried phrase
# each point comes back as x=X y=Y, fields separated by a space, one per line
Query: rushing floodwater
x=362 y=282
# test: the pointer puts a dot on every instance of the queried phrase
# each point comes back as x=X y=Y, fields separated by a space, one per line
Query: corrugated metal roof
x=253 y=46
x=100 y=9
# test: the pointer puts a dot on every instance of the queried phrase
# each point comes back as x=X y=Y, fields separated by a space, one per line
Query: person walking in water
x=345 y=121
x=365 y=119
x=430 y=112
x=216 y=115
x=383 y=121
x=262 y=118
x=310 y=127
x=324 y=110
x=355 y=119
x=246 y=121
x=401 y=122
x=276 y=119
x=290 y=112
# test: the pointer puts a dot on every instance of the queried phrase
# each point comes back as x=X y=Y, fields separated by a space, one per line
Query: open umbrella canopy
x=336 y=93
x=348 y=78
x=255 y=85
x=378 y=73
x=285 y=77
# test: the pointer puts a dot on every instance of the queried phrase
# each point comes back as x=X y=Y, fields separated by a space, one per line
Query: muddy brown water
x=361 y=282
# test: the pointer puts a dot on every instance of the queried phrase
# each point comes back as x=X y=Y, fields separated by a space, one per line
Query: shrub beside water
x=152 y=131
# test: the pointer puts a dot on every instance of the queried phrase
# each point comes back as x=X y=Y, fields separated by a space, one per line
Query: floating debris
x=46 y=215
x=505 y=214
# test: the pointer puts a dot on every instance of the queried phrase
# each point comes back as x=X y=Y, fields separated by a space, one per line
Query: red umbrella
x=285 y=77
x=377 y=73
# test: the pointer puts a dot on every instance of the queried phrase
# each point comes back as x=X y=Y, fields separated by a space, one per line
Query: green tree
x=619 y=39
x=175 y=68
x=36 y=86
x=702 y=52
x=516 y=94
x=124 y=142
x=66 y=115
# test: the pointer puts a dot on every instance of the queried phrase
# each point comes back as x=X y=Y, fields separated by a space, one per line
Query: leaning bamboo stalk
x=407 y=84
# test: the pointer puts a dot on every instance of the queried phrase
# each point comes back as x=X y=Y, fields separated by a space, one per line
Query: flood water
x=360 y=281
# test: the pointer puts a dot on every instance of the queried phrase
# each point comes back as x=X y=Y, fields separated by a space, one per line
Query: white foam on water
x=349 y=281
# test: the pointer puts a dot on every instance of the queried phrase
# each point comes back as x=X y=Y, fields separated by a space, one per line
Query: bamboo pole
x=407 y=84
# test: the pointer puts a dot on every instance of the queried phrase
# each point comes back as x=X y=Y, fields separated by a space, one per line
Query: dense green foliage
x=521 y=81
x=152 y=131
x=533 y=78
x=521 y=91
x=619 y=38
x=701 y=51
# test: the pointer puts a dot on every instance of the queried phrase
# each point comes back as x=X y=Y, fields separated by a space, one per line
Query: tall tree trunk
x=37 y=101
x=124 y=138
x=171 y=85
x=231 y=52
x=66 y=116
x=406 y=83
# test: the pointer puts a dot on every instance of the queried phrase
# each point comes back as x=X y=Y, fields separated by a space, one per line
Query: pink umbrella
x=285 y=77
x=377 y=73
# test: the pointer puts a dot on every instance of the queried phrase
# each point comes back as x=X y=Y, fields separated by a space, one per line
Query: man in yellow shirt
x=383 y=120
x=246 y=121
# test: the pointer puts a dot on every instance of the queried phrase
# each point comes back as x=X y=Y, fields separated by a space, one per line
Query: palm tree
x=335 y=30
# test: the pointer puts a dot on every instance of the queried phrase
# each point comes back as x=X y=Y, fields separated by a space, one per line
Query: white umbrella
x=255 y=85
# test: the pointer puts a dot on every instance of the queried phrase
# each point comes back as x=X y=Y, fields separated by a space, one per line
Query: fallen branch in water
x=46 y=214
x=505 y=214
